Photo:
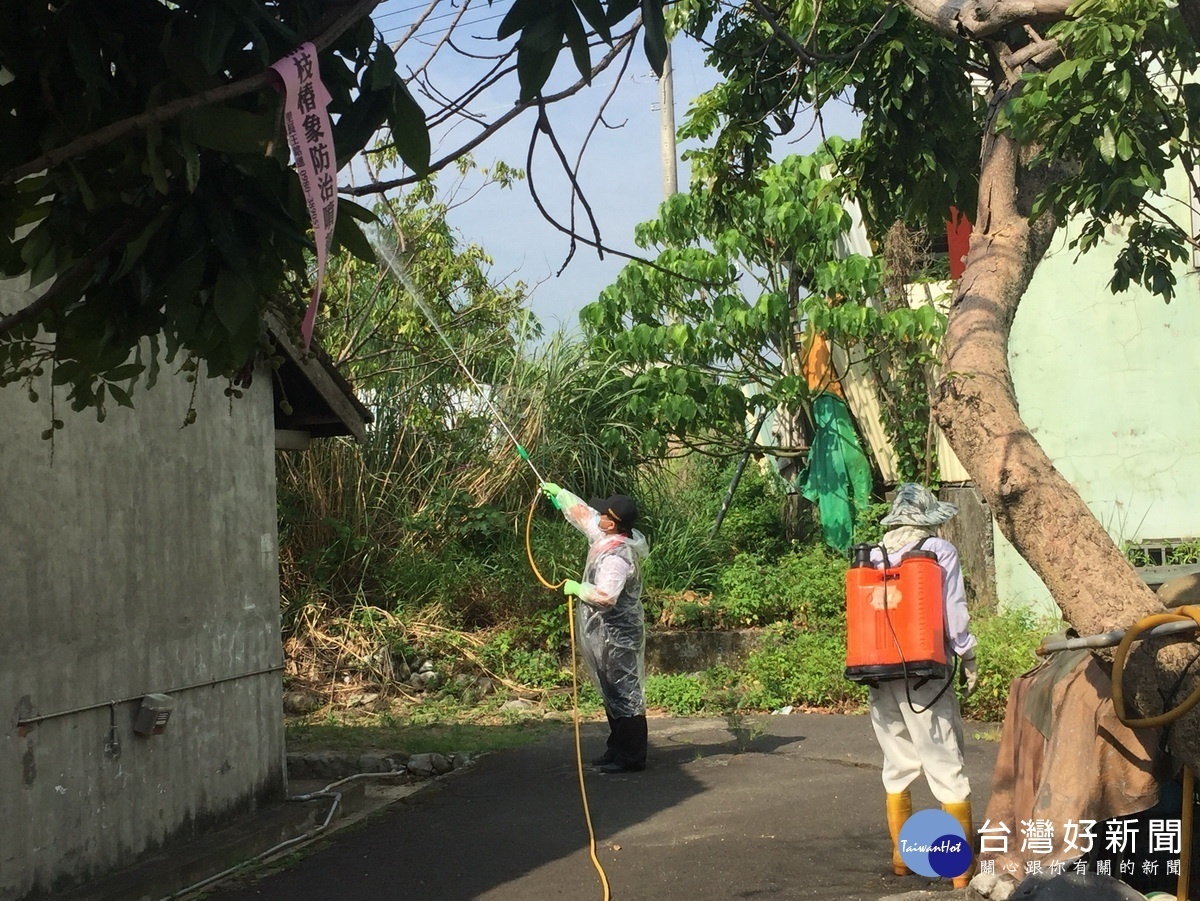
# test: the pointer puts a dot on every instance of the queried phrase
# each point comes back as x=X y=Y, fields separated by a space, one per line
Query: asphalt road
x=790 y=808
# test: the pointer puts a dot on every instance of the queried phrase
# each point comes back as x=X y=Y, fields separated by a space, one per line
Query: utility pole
x=666 y=98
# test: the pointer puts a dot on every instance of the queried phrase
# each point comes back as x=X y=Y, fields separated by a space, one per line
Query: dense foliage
x=168 y=236
x=714 y=331
x=145 y=185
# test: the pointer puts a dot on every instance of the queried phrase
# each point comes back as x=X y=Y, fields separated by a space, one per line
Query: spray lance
x=388 y=253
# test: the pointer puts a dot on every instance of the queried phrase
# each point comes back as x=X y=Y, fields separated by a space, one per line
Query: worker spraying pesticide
x=907 y=631
x=610 y=621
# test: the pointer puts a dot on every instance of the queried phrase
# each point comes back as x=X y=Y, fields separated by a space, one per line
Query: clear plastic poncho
x=610 y=621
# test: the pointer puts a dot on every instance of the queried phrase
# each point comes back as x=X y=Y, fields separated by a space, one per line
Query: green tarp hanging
x=838 y=476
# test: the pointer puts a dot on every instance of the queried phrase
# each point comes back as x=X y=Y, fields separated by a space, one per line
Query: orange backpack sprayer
x=894 y=618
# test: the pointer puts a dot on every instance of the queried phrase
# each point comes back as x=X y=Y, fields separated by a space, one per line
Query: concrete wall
x=1107 y=384
x=135 y=557
x=970 y=530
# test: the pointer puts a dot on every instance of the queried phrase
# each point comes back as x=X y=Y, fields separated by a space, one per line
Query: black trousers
x=627 y=741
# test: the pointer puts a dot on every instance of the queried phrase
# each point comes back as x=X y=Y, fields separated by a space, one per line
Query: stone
x=1074 y=887
x=374 y=763
x=299 y=703
x=426 y=765
x=327 y=765
x=993 y=886
x=1180 y=590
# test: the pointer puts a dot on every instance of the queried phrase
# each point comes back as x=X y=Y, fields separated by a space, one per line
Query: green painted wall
x=1110 y=387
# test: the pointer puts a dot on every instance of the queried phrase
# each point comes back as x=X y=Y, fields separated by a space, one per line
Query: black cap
x=622 y=509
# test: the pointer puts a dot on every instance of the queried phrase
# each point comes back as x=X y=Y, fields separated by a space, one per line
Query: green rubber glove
x=571 y=587
x=551 y=491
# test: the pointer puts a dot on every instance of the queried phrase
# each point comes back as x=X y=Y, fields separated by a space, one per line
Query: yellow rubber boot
x=899 y=809
x=961 y=811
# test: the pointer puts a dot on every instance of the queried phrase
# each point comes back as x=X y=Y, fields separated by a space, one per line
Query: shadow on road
x=786 y=807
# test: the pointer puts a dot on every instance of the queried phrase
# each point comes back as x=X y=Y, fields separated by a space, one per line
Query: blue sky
x=621 y=173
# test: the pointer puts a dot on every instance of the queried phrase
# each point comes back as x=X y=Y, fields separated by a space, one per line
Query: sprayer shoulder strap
x=921 y=546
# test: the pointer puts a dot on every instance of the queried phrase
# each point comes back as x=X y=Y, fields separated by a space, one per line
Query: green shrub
x=805 y=585
x=814 y=579
x=679 y=695
x=750 y=593
x=682 y=556
x=752 y=524
x=799 y=667
x=529 y=652
x=867 y=528
x=1006 y=649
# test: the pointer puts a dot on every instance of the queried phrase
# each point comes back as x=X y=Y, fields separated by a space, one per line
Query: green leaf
x=537 y=51
x=66 y=371
x=410 y=132
x=233 y=300
x=572 y=27
x=359 y=212
x=347 y=233
x=230 y=130
x=1125 y=146
x=120 y=395
x=135 y=248
x=1107 y=144
x=655 y=40
x=619 y=9
x=124 y=372
x=216 y=28
x=594 y=13
x=519 y=17
x=382 y=70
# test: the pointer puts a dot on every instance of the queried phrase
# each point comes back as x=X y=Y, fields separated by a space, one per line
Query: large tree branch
x=342 y=20
x=983 y=18
x=975 y=403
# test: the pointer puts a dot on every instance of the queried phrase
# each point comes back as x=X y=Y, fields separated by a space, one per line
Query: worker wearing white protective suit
x=918 y=722
x=610 y=622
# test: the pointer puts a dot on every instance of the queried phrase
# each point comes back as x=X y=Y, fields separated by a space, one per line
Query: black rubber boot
x=628 y=743
x=610 y=754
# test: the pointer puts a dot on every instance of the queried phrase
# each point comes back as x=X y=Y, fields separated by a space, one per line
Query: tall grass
x=425 y=521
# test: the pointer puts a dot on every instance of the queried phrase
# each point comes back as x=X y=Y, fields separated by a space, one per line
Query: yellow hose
x=574 y=701
x=529 y=554
x=1182 y=614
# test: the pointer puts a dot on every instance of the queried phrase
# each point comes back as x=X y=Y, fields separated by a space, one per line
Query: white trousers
x=925 y=739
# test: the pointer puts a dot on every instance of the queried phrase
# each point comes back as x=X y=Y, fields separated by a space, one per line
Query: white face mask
x=901 y=536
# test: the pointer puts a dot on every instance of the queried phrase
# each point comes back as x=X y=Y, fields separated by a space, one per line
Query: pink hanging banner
x=311 y=138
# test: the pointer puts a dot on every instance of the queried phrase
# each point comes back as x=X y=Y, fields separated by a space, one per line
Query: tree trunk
x=1036 y=509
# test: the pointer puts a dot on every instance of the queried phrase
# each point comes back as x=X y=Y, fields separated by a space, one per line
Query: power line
x=395 y=29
